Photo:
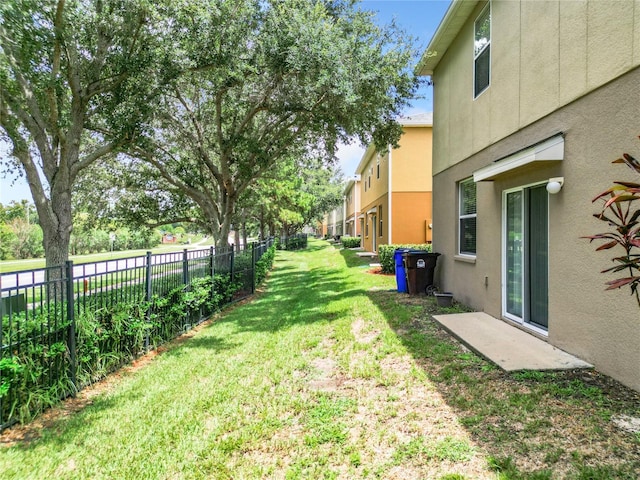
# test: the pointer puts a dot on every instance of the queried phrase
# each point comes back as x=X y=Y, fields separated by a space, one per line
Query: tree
x=266 y=81
x=74 y=77
x=293 y=195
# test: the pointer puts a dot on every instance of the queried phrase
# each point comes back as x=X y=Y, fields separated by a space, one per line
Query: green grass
x=328 y=373
x=36 y=263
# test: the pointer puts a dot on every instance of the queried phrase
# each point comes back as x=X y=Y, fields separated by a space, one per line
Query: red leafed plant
x=621 y=212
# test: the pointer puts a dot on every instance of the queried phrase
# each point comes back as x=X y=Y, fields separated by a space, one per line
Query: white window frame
x=464 y=216
x=478 y=52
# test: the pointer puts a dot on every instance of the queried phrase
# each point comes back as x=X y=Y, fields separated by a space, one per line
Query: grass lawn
x=36 y=263
x=327 y=373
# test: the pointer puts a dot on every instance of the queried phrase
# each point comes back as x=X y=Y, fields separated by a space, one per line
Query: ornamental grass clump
x=621 y=212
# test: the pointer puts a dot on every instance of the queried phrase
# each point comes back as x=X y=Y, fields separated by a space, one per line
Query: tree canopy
x=196 y=101
x=74 y=80
x=276 y=80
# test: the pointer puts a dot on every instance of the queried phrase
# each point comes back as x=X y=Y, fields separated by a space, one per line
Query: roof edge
x=453 y=21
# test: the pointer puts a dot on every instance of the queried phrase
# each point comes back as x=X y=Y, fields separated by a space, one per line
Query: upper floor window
x=467 y=217
x=378 y=167
x=482 y=52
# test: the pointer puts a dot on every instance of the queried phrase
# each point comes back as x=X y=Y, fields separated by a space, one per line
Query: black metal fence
x=293 y=242
x=65 y=327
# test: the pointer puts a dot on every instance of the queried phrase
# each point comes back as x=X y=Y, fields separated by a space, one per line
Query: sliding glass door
x=525 y=252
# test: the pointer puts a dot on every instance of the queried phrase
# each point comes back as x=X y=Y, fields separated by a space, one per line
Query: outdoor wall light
x=555 y=185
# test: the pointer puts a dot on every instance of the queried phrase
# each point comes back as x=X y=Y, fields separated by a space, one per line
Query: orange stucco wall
x=411 y=186
x=411 y=213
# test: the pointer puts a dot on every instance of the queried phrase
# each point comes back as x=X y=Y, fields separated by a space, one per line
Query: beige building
x=395 y=188
x=532 y=98
x=335 y=222
x=352 y=226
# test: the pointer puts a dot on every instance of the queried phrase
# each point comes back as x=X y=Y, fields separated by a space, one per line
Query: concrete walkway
x=505 y=345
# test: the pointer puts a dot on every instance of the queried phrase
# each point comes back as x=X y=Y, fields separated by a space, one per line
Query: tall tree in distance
x=74 y=79
x=266 y=81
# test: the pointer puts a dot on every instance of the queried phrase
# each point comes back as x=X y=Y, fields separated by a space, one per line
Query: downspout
x=389 y=195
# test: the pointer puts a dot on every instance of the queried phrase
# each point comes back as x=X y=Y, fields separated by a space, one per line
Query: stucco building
x=395 y=188
x=532 y=103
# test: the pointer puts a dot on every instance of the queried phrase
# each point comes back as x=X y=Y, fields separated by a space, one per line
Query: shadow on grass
x=534 y=425
x=298 y=292
x=215 y=344
x=352 y=260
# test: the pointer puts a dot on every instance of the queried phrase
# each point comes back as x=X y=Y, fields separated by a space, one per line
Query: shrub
x=264 y=264
x=385 y=254
x=350 y=242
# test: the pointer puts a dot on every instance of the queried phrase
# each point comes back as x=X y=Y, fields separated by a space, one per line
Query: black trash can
x=420 y=267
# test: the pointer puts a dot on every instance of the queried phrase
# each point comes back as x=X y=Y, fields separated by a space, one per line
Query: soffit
x=551 y=149
x=449 y=28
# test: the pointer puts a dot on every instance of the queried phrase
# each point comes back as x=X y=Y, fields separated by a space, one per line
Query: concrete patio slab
x=505 y=345
x=366 y=254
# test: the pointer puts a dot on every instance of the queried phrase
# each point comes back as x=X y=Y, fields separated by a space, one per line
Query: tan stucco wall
x=352 y=199
x=373 y=187
x=544 y=54
x=381 y=237
x=411 y=216
x=600 y=327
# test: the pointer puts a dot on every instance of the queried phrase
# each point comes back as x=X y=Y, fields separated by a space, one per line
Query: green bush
x=385 y=254
x=350 y=242
x=264 y=264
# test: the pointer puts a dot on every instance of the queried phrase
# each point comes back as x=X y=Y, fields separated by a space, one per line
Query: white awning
x=372 y=210
x=551 y=149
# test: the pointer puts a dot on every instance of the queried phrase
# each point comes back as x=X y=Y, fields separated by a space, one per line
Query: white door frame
x=505 y=314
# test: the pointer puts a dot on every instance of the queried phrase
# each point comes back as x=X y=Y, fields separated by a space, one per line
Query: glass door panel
x=514 y=246
x=526 y=274
x=537 y=253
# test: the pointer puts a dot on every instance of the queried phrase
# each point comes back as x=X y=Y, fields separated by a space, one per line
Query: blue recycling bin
x=401 y=276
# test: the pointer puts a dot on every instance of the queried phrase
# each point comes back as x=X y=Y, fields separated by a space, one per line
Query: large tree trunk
x=262 y=225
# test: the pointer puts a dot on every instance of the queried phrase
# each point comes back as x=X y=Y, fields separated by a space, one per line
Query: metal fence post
x=212 y=271
x=231 y=262
x=185 y=268
x=148 y=299
x=71 y=336
x=253 y=267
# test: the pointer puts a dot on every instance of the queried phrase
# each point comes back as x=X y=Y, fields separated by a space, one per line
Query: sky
x=420 y=18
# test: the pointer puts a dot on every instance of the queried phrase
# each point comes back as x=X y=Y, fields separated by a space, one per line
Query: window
x=482 y=52
x=380 y=218
x=467 y=217
x=366 y=228
x=378 y=167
